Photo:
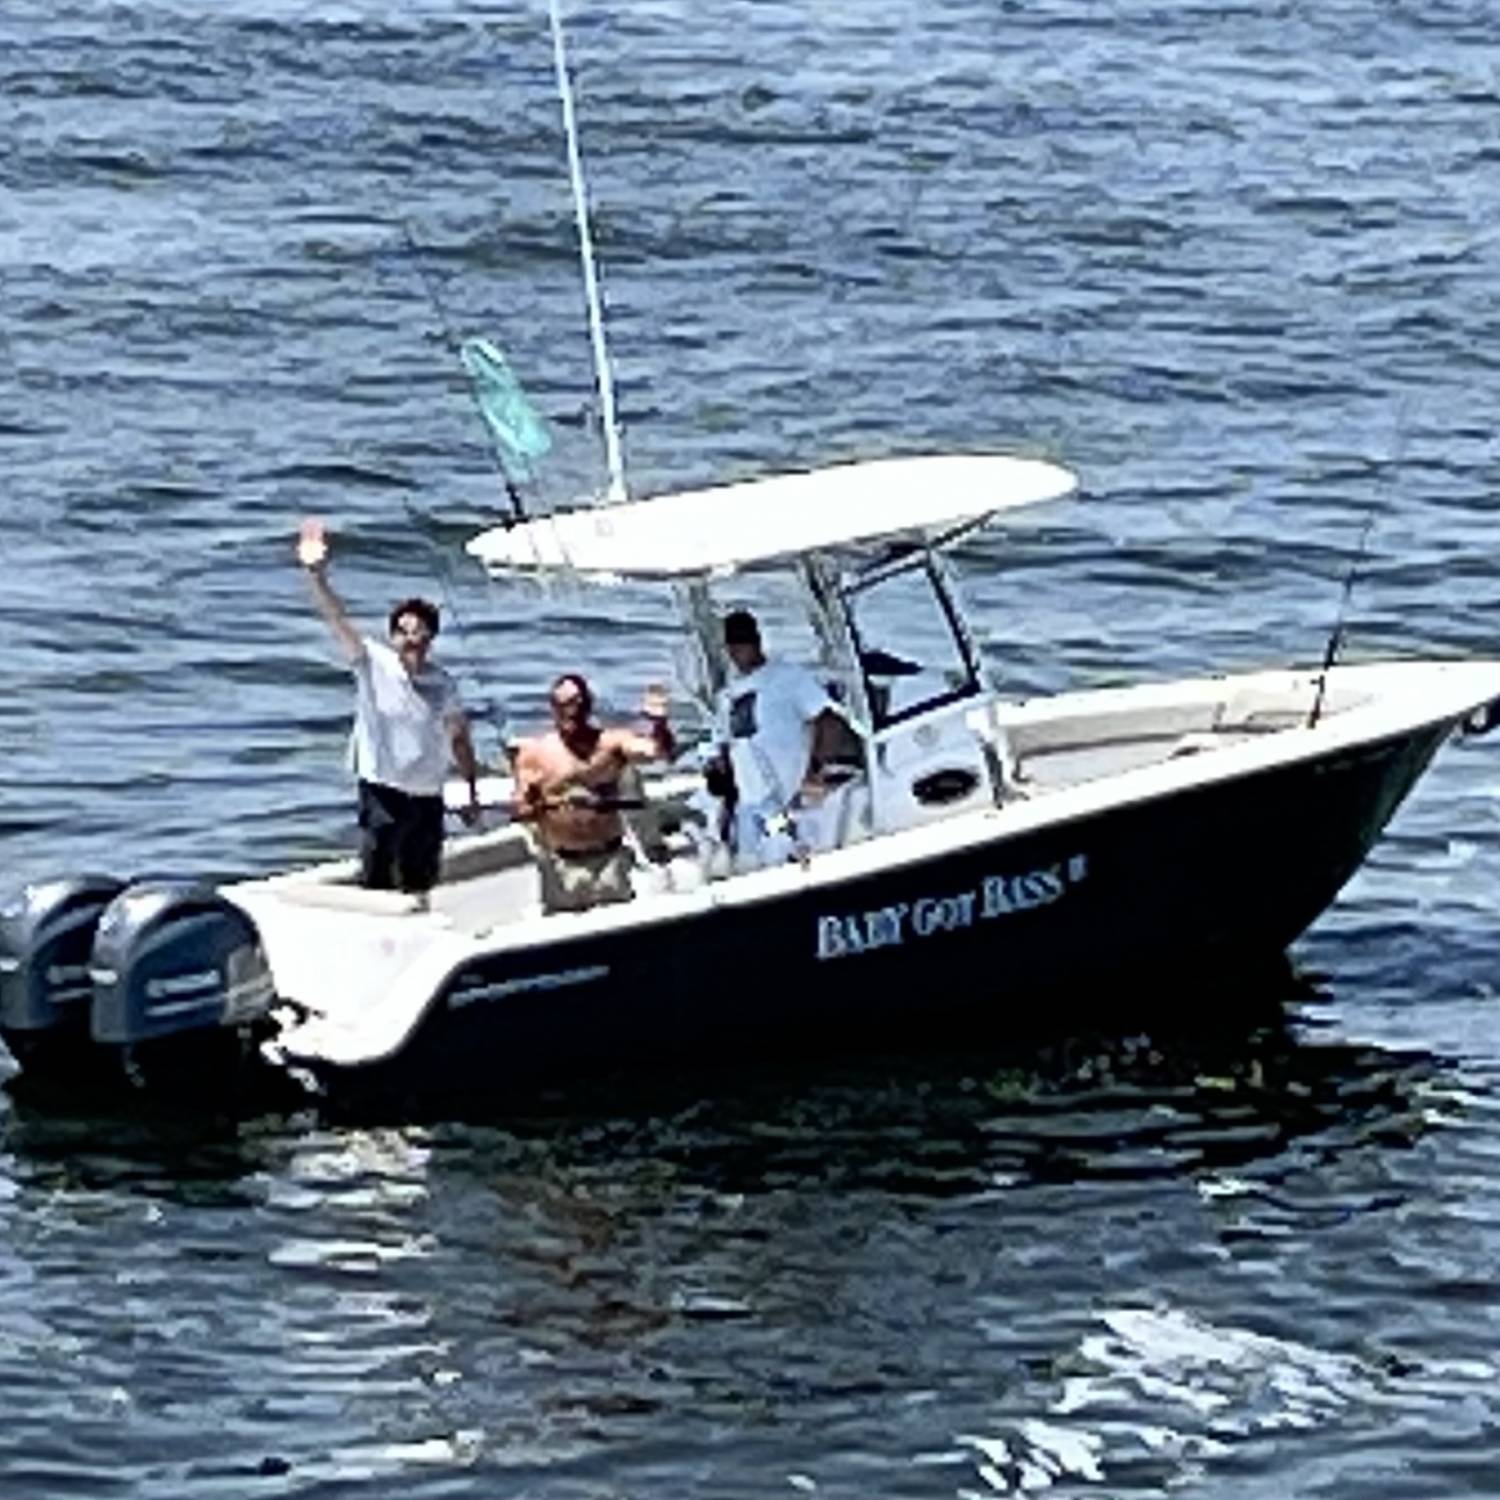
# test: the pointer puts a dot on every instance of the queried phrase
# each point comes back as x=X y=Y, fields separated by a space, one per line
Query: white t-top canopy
x=732 y=527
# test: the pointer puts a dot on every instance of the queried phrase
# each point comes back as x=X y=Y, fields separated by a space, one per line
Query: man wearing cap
x=774 y=722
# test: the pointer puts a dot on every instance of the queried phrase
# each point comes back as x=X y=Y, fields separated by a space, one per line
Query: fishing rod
x=527 y=810
x=457 y=347
x=1336 y=635
x=445 y=579
x=513 y=426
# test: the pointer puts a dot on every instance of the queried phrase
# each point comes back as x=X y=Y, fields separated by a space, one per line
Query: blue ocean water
x=1233 y=265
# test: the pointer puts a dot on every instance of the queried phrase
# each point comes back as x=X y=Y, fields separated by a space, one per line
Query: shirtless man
x=567 y=784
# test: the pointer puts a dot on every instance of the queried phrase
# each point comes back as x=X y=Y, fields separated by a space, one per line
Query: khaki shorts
x=575 y=882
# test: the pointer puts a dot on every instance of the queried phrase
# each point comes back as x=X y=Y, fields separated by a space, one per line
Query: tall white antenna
x=692 y=598
x=617 y=490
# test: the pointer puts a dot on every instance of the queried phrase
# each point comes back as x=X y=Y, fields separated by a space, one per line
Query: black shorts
x=400 y=840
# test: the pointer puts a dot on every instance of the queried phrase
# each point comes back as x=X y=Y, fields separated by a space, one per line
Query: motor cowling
x=46 y=941
x=171 y=957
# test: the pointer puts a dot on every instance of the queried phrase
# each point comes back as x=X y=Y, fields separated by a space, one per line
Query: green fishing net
x=519 y=434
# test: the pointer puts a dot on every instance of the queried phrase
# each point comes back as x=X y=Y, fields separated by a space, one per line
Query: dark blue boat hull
x=1193 y=885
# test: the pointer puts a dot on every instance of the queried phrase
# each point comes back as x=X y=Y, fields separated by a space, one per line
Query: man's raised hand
x=312 y=544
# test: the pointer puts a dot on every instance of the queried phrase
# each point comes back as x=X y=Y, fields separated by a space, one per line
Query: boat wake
x=1215 y=1388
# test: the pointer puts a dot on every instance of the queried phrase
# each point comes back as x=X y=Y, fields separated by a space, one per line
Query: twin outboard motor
x=46 y=941
x=175 y=956
x=91 y=960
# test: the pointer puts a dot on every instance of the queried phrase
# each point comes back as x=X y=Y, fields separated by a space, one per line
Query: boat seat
x=486 y=854
x=352 y=898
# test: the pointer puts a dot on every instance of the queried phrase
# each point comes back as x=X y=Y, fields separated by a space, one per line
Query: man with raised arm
x=407 y=723
x=568 y=785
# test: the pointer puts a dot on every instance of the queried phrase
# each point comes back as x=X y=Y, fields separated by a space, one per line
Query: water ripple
x=1231 y=264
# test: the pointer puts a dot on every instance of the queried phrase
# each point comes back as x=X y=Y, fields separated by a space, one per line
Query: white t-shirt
x=766 y=718
x=400 y=736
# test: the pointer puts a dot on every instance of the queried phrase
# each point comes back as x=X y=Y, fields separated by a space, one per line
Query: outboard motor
x=46 y=938
x=175 y=960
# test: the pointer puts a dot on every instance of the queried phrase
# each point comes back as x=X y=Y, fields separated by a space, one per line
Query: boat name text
x=841 y=934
